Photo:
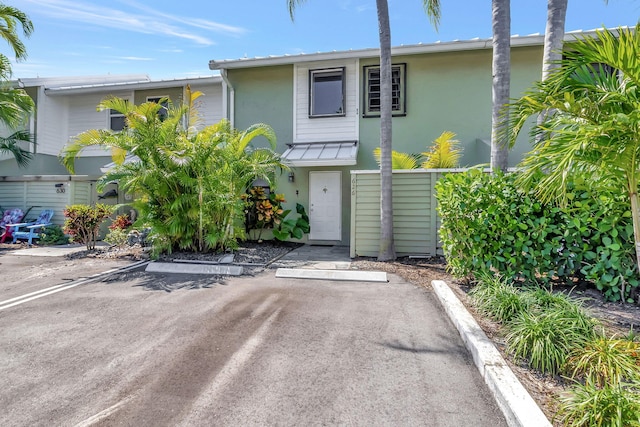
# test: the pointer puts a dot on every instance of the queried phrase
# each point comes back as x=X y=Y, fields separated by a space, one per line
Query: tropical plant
x=83 y=222
x=53 y=235
x=120 y=223
x=190 y=183
x=612 y=405
x=606 y=360
x=545 y=339
x=387 y=249
x=595 y=128
x=293 y=228
x=398 y=160
x=262 y=210
x=444 y=152
x=11 y=145
x=15 y=104
x=116 y=236
x=497 y=298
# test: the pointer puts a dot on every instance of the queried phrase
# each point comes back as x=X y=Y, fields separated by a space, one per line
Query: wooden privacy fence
x=415 y=219
x=45 y=192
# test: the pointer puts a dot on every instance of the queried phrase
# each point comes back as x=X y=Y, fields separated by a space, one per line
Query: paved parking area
x=149 y=349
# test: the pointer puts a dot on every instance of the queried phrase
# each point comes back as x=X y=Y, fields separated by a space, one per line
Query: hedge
x=489 y=223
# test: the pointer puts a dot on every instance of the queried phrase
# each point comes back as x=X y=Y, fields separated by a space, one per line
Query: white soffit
x=343 y=153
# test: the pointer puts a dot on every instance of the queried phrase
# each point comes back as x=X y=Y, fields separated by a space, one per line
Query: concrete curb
x=339 y=275
x=518 y=407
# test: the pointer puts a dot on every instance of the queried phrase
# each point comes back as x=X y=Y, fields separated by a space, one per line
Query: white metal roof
x=342 y=153
x=137 y=84
x=536 y=39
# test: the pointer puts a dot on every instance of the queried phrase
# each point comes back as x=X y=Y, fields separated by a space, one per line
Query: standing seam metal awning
x=342 y=153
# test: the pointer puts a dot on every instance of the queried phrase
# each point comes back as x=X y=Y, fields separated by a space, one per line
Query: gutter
x=228 y=97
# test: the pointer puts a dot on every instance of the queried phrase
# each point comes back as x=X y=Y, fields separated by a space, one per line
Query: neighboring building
x=324 y=109
x=67 y=106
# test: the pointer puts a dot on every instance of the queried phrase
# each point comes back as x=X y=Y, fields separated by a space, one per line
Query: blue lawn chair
x=31 y=230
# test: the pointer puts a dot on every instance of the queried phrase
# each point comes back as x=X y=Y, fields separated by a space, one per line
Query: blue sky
x=174 y=39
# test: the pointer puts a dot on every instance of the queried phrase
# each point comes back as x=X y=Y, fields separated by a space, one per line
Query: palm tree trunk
x=387 y=249
x=553 y=35
x=635 y=217
x=553 y=41
x=501 y=25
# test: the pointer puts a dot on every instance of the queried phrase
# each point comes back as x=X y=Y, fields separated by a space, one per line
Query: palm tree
x=190 y=183
x=595 y=128
x=9 y=18
x=553 y=35
x=501 y=66
x=15 y=104
x=387 y=249
x=444 y=152
x=399 y=160
x=11 y=145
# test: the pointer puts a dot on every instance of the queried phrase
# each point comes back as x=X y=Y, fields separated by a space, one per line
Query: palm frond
x=9 y=18
x=444 y=152
x=15 y=106
x=398 y=160
x=11 y=145
x=432 y=9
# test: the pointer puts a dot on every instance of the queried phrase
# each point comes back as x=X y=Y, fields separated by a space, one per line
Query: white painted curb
x=518 y=407
x=183 y=268
x=350 y=275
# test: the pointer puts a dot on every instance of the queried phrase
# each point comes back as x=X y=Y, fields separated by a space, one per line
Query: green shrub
x=83 y=222
x=116 y=237
x=490 y=224
x=292 y=228
x=542 y=299
x=605 y=360
x=498 y=299
x=611 y=405
x=545 y=339
x=120 y=223
x=53 y=235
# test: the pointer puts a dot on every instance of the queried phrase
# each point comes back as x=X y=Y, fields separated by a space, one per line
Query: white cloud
x=149 y=22
x=135 y=58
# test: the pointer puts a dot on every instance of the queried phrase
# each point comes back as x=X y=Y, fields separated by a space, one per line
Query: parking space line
x=63 y=287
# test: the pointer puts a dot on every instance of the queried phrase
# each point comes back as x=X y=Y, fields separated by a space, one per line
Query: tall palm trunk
x=553 y=35
x=553 y=40
x=387 y=249
x=501 y=25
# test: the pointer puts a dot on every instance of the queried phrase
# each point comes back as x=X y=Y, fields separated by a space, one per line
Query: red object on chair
x=10 y=217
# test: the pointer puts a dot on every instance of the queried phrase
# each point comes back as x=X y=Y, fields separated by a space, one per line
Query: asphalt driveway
x=148 y=349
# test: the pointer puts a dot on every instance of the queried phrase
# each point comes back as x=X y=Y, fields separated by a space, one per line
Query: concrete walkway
x=516 y=404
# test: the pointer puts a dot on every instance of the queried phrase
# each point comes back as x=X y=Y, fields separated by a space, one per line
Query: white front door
x=325 y=205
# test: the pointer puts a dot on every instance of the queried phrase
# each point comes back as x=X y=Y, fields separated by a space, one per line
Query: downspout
x=228 y=98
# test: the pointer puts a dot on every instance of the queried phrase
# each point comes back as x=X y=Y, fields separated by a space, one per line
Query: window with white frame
x=162 y=100
x=371 y=98
x=326 y=92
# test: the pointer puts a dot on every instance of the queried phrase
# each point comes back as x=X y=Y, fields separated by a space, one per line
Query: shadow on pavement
x=167 y=282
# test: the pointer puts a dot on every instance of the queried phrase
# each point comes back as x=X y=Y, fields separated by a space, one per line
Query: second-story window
x=116 y=121
x=372 y=90
x=326 y=97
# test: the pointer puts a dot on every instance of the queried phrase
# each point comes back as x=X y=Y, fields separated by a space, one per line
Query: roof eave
x=111 y=87
x=451 y=46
